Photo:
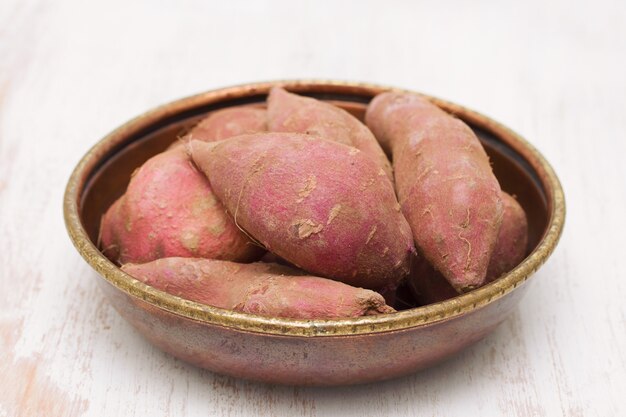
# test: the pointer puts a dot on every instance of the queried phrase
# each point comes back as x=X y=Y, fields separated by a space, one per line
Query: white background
x=71 y=71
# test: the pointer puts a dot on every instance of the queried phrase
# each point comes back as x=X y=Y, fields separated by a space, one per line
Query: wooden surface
x=70 y=71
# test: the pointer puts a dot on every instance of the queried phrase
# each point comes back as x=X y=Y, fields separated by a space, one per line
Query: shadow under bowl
x=306 y=352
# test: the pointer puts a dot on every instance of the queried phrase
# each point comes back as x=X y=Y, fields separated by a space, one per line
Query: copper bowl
x=306 y=352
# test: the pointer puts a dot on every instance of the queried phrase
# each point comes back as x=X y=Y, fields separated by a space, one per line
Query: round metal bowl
x=306 y=352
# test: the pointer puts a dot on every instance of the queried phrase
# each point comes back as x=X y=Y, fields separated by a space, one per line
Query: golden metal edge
x=419 y=316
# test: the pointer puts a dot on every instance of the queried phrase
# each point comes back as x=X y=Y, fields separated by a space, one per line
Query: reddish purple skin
x=429 y=286
x=445 y=185
x=321 y=205
x=170 y=210
x=226 y=123
x=512 y=240
x=288 y=112
x=258 y=288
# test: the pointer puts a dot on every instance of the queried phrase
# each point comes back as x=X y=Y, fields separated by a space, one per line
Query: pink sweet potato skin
x=320 y=205
x=512 y=239
x=258 y=288
x=287 y=112
x=429 y=286
x=170 y=210
x=444 y=182
x=226 y=123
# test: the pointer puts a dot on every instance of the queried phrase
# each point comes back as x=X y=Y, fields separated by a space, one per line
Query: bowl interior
x=110 y=177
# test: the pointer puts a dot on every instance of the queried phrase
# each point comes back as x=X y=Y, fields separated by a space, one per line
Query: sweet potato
x=170 y=210
x=287 y=112
x=429 y=286
x=258 y=288
x=512 y=239
x=226 y=123
x=444 y=182
x=322 y=206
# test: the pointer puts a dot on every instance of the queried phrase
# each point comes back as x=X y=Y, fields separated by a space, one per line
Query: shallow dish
x=306 y=352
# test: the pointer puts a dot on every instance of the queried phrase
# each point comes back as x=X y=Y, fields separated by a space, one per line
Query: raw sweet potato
x=287 y=112
x=322 y=206
x=429 y=286
x=258 y=288
x=444 y=182
x=170 y=210
x=226 y=123
x=512 y=239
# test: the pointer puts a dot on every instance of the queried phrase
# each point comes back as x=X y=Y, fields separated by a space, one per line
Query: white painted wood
x=70 y=71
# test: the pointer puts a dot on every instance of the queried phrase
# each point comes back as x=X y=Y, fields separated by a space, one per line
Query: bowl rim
x=401 y=320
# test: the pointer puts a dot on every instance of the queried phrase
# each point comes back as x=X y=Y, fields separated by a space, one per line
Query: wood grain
x=71 y=71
